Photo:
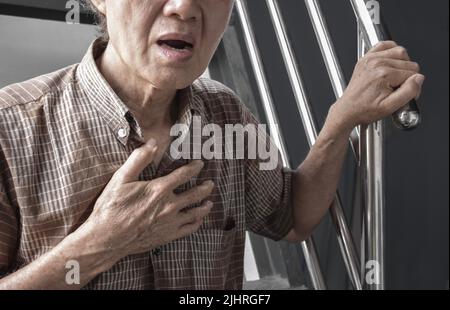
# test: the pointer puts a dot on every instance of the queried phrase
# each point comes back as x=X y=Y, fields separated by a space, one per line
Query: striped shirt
x=62 y=137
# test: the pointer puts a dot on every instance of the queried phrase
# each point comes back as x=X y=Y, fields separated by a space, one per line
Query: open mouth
x=179 y=45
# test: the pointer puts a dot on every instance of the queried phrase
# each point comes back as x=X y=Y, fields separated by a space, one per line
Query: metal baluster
x=331 y=60
x=308 y=246
x=344 y=236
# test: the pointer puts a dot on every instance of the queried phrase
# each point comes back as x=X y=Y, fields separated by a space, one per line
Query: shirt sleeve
x=268 y=201
x=9 y=223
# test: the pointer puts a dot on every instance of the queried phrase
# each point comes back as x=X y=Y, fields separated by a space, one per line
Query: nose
x=185 y=10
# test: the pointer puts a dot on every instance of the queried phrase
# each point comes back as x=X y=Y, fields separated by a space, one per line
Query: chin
x=172 y=80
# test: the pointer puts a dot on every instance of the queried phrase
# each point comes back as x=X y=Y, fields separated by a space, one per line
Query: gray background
x=31 y=47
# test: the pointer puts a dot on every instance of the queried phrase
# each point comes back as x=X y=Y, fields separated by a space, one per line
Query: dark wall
x=416 y=162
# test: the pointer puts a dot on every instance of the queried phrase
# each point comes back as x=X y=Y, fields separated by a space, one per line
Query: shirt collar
x=112 y=108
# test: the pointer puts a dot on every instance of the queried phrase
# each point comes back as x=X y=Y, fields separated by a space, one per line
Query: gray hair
x=100 y=19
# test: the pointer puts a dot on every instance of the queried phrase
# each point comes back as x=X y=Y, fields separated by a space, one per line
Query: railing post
x=308 y=246
x=372 y=165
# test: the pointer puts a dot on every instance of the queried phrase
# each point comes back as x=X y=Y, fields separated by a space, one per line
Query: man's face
x=168 y=43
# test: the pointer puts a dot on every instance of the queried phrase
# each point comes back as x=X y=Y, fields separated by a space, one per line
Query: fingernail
x=199 y=163
x=209 y=204
x=420 y=79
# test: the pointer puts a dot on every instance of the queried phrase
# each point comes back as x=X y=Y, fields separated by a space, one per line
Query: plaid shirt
x=64 y=134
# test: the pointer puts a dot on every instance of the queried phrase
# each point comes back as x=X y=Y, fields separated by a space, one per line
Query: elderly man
x=87 y=180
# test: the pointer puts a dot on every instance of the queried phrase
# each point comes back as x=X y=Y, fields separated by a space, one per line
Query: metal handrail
x=408 y=117
x=344 y=236
x=308 y=246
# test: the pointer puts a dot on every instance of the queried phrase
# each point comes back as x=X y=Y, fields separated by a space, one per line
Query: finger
x=182 y=175
x=189 y=229
x=194 y=195
x=398 y=52
x=396 y=77
x=394 y=63
x=383 y=45
x=410 y=90
x=138 y=160
x=195 y=214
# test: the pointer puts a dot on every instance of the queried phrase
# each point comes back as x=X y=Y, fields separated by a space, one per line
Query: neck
x=152 y=107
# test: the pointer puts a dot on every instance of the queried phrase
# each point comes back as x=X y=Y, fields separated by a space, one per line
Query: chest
x=163 y=142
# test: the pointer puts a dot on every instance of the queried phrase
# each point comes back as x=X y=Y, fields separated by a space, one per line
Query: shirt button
x=122 y=133
x=156 y=251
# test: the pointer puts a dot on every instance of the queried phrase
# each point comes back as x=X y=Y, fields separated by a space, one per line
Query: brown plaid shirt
x=64 y=134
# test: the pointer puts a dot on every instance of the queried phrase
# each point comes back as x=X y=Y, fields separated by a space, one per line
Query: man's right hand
x=132 y=216
x=129 y=217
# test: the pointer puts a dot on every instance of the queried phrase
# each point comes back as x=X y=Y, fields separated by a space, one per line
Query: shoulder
x=35 y=89
x=219 y=101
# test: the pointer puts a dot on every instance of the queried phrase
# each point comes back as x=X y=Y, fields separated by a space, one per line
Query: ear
x=100 y=5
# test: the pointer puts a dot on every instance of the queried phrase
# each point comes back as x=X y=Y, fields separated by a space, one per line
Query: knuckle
x=192 y=197
x=401 y=51
x=390 y=42
x=381 y=73
x=385 y=44
x=171 y=206
x=183 y=172
x=364 y=60
x=416 y=66
x=158 y=187
x=374 y=63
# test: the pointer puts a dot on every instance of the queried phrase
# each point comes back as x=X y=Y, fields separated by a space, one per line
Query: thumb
x=409 y=90
x=138 y=160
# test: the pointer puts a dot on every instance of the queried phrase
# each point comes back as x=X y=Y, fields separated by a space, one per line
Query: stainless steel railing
x=308 y=246
x=367 y=142
x=345 y=240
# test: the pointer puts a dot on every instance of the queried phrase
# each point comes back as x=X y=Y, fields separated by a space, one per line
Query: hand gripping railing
x=367 y=142
x=408 y=117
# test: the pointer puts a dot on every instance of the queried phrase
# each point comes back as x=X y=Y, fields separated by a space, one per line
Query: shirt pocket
x=212 y=256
